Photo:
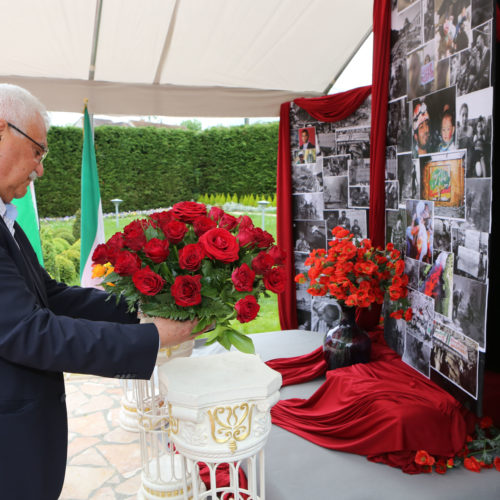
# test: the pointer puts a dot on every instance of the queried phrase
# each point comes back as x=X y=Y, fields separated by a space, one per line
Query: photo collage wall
x=438 y=184
x=330 y=165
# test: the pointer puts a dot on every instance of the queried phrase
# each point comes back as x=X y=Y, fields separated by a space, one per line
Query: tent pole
x=95 y=38
x=344 y=66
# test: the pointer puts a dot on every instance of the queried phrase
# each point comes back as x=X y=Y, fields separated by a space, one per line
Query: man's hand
x=174 y=332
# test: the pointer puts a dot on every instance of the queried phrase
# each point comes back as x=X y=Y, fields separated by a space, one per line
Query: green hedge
x=152 y=168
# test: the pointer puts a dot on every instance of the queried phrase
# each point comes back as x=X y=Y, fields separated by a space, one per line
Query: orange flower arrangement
x=481 y=452
x=357 y=275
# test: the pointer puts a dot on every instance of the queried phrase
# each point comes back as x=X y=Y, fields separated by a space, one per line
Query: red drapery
x=328 y=109
x=384 y=410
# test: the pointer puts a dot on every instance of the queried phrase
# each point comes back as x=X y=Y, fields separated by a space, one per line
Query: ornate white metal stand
x=127 y=417
x=219 y=410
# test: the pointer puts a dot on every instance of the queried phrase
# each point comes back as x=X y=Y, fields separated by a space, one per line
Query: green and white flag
x=92 y=223
x=27 y=218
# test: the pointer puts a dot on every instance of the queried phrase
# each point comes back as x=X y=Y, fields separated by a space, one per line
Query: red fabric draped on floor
x=384 y=410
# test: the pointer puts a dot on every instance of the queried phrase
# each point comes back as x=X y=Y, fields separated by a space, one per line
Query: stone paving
x=104 y=460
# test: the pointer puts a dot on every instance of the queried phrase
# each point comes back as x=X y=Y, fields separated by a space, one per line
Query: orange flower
x=400 y=267
x=440 y=467
x=496 y=462
x=408 y=314
x=450 y=463
x=340 y=232
x=485 y=465
x=397 y=314
x=352 y=300
x=389 y=247
x=423 y=458
x=472 y=464
x=300 y=278
x=98 y=271
x=486 y=422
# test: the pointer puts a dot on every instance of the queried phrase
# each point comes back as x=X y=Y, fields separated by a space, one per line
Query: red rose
x=162 y=217
x=202 y=224
x=127 y=263
x=115 y=244
x=472 y=463
x=262 y=262
x=186 y=290
x=216 y=213
x=275 y=279
x=245 y=222
x=134 y=236
x=263 y=238
x=190 y=256
x=278 y=255
x=100 y=255
x=486 y=422
x=228 y=222
x=220 y=244
x=247 y=309
x=157 y=250
x=187 y=211
x=147 y=281
x=440 y=467
x=243 y=278
x=246 y=238
x=174 y=231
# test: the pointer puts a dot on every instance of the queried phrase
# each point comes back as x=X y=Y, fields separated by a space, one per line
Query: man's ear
x=3 y=126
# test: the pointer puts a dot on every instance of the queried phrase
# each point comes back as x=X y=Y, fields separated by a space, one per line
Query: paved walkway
x=104 y=461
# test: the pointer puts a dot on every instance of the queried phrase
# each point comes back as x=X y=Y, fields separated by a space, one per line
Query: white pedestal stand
x=219 y=410
x=163 y=475
x=127 y=417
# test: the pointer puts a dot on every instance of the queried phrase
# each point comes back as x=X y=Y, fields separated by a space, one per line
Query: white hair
x=19 y=107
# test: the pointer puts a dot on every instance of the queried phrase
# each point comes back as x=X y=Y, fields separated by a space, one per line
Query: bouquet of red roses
x=357 y=275
x=188 y=263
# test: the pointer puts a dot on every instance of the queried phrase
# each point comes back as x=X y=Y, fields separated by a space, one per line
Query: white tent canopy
x=178 y=57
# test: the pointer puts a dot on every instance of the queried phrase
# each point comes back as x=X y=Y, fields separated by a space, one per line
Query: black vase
x=346 y=344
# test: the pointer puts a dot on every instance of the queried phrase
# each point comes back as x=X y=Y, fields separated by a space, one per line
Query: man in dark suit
x=306 y=143
x=47 y=328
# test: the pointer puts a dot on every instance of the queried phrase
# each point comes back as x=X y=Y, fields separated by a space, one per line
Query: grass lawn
x=267 y=319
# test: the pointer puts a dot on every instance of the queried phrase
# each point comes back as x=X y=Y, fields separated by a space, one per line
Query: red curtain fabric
x=329 y=108
x=384 y=410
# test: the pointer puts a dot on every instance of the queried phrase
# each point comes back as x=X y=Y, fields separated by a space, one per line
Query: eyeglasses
x=45 y=150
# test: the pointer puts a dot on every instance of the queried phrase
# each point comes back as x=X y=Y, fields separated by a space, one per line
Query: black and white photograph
x=471 y=253
x=359 y=197
x=309 y=235
x=409 y=24
x=327 y=142
x=359 y=171
x=354 y=141
x=428 y=15
x=419 y=235
x=335 y=165
x=304 y=319
x=403 y=4
x=307 y=206
x=482 y=10
x=325 y=314
x=417 y=353
x=354 y=221
x=299 y=265
x=443 y=73
x=452 y=27
x=475 y=130
x=420 y=70
x=397 y=77
x=391 y=195
x=332 y=220
x=360 y=118
x=395 y=226
x=442 y=235
x=303 y=298
x=394 y=332
x=481 y=55
x=478 y=203
x=421 y=323
x=469 y=308
x=412 y=269
x=307 y=178
x=436 y=281
x=455 y=357
x=408 y=177
x=335 y=192
x=391 y=164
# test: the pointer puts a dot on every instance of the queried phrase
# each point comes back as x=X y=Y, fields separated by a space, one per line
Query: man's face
x=422 y=135
x=19 y=158
x=305 y=136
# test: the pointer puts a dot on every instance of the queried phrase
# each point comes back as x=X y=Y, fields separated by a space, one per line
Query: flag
x=27 y=218
x=92 y=223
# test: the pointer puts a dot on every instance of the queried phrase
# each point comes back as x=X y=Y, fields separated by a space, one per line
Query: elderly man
x=47 y=328
x=421 y=130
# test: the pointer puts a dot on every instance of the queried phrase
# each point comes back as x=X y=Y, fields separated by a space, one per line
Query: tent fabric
x=178 y=57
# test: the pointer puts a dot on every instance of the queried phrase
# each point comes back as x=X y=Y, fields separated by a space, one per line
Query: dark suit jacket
x=40 y=338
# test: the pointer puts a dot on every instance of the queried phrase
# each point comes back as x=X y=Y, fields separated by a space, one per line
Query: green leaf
x=224 y=340
x=242 y=342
